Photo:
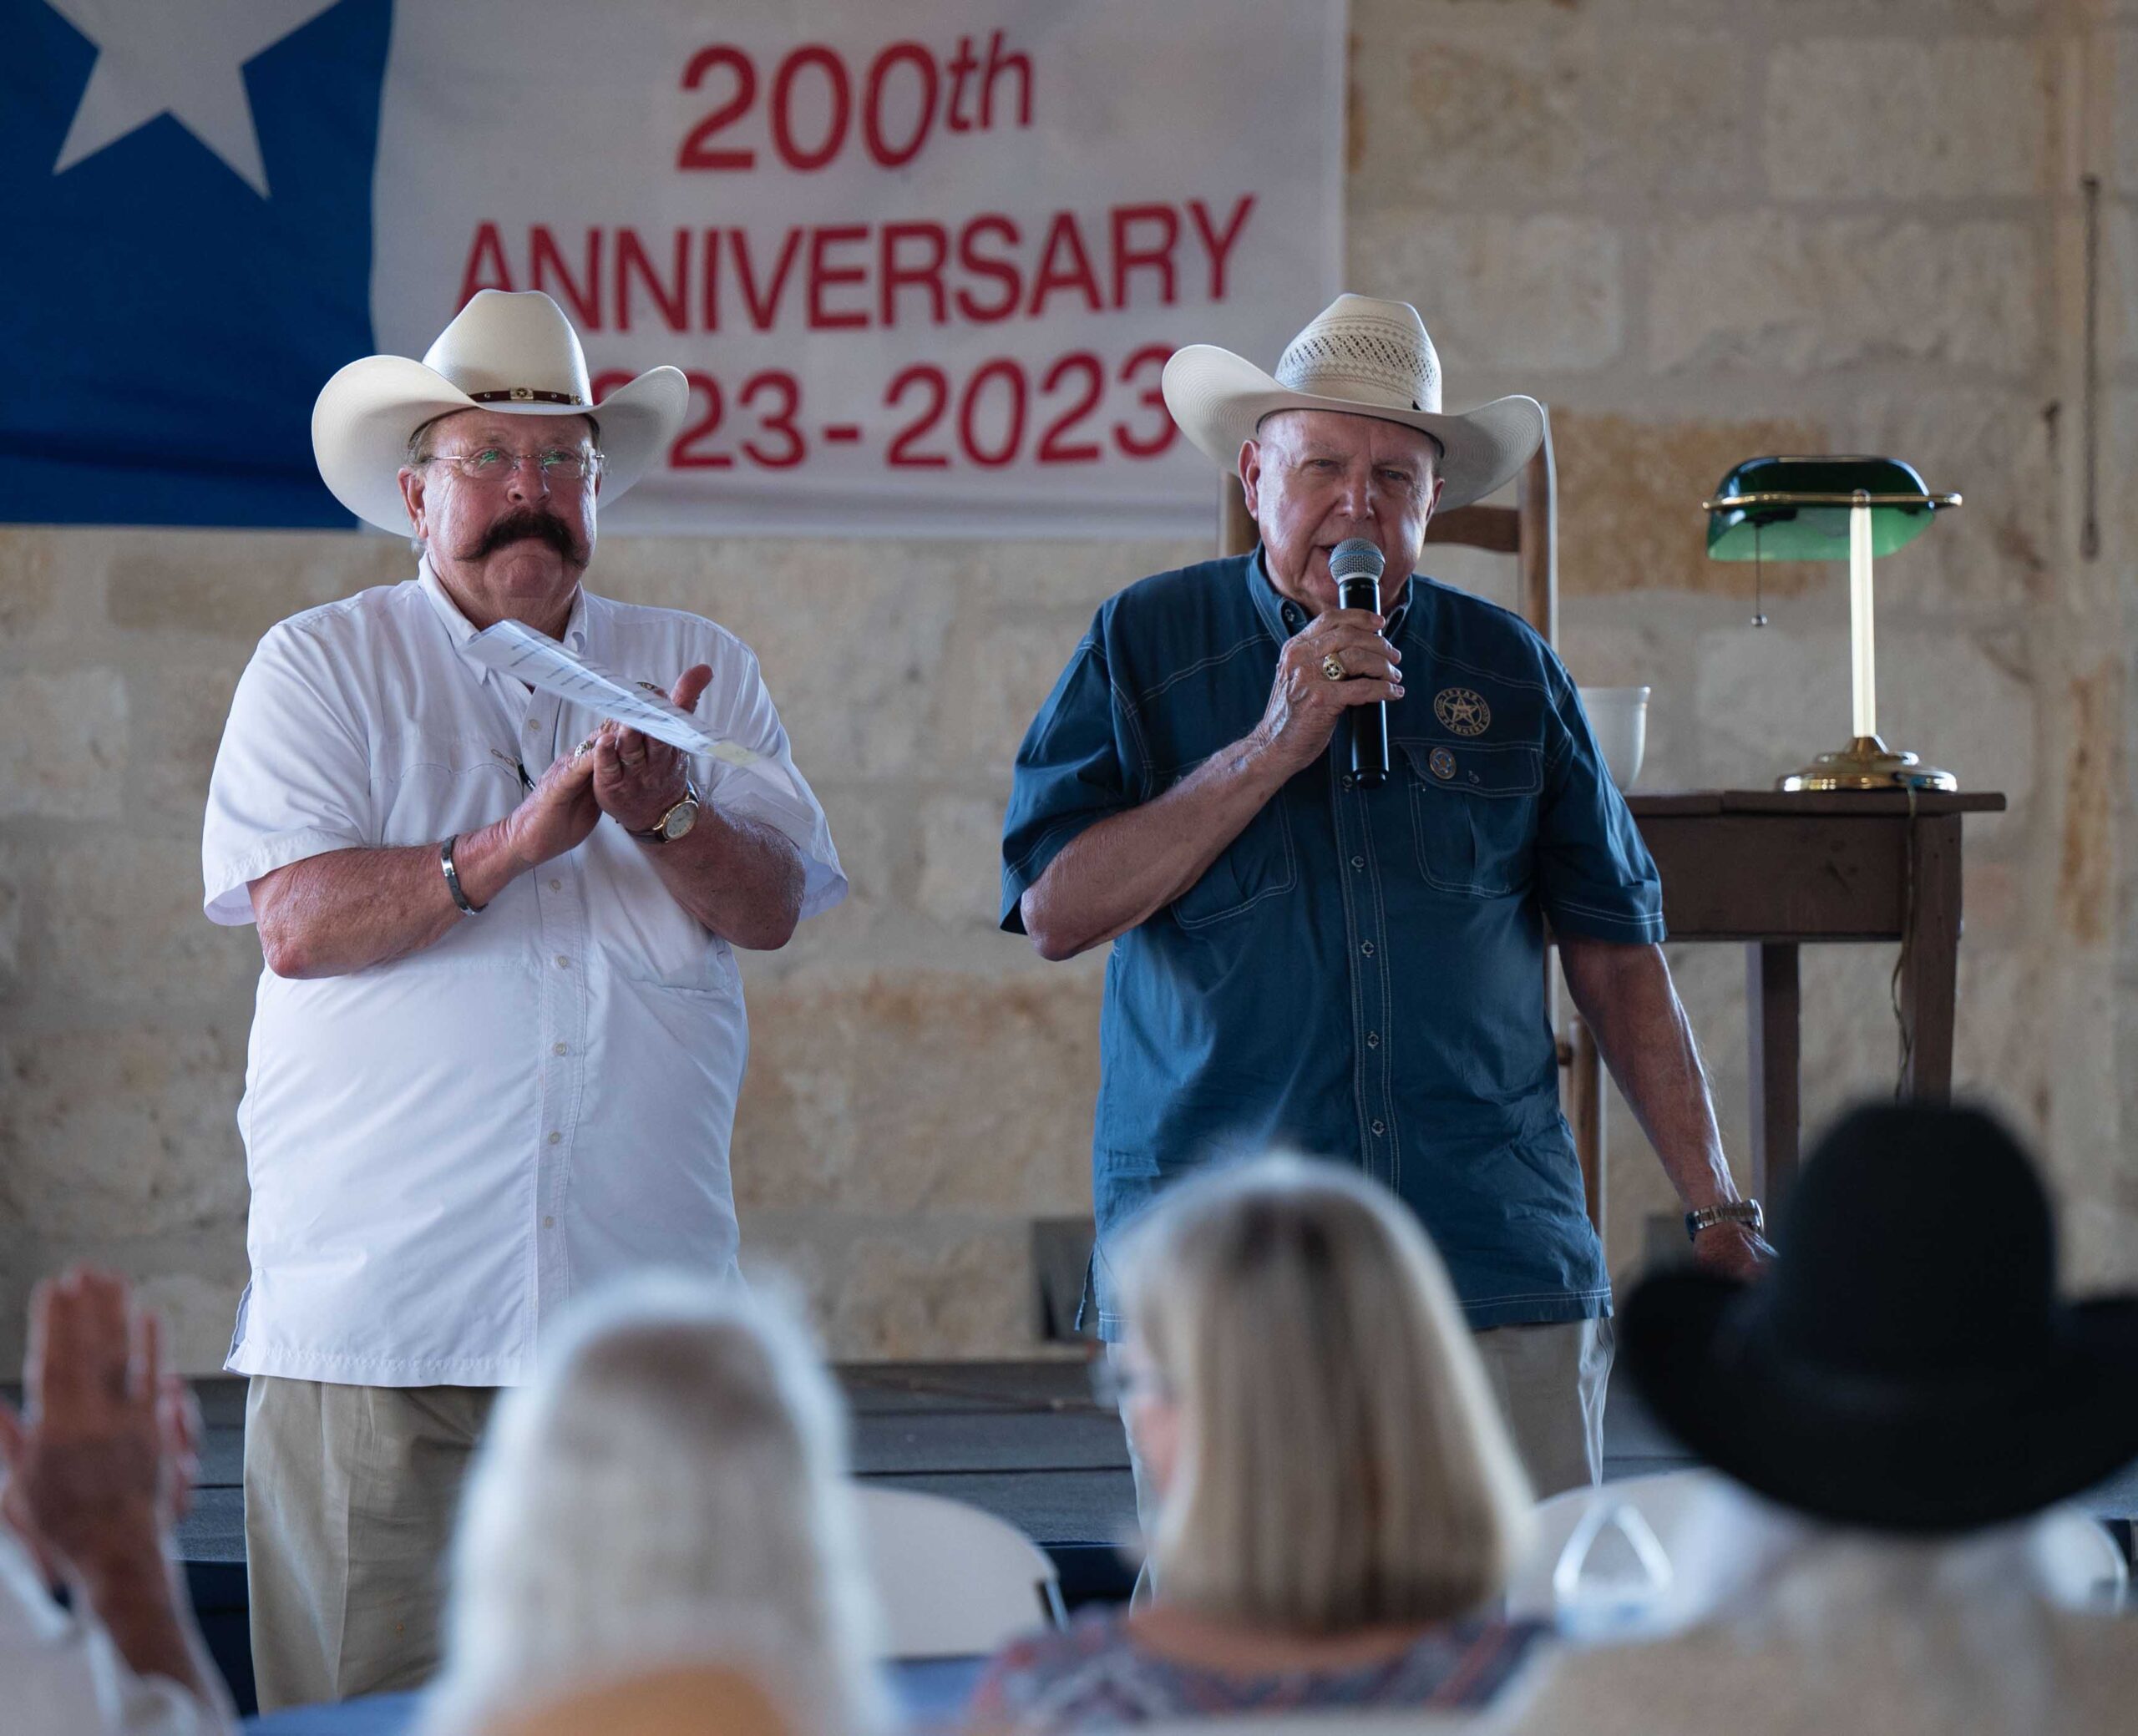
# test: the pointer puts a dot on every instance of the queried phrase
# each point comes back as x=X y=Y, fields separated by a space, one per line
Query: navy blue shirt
x=1360 y=974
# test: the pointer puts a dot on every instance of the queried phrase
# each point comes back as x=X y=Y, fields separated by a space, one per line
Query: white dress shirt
x=60 y=1674
x=444 y=1148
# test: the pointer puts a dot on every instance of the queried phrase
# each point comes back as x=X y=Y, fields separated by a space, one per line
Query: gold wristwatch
x=677 y=821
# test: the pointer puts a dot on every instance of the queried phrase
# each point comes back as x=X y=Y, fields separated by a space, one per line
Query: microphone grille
x=1356 y=558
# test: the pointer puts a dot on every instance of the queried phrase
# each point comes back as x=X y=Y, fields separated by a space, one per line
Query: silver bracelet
x=453 y=878
x=1706 y=1218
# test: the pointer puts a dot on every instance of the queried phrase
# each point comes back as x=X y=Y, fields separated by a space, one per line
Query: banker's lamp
x=1822 y=508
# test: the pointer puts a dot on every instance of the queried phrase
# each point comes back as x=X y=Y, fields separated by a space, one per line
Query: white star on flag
x=185 y=60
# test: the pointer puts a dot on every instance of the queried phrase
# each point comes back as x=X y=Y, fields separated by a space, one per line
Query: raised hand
x=99 y=1468
x=94 y=1480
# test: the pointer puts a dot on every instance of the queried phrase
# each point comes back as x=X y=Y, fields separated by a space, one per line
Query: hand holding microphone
x=1339 y=663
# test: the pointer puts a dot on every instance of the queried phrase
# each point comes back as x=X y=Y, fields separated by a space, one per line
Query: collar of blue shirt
x=1284 y=617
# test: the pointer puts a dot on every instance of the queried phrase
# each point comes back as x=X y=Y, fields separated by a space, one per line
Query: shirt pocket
x=430 y=786
x=637 y=925
x=1261 y=863
x=1473 y=815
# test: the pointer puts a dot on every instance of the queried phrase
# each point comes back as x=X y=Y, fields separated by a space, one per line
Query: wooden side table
x=1775 y=871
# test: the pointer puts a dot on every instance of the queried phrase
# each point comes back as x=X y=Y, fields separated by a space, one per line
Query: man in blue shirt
x=1356 y=972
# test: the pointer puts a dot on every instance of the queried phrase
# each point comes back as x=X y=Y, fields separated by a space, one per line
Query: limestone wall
x=1700 y=230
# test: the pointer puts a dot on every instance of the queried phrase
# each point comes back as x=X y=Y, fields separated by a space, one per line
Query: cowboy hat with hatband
x=1361 y=357
x=1906 y=1365
x=513 y=353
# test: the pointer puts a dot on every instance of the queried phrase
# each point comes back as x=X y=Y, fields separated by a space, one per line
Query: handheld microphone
x=1355 y=566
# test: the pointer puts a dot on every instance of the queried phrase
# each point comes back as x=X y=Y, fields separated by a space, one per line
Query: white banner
x=923 y=261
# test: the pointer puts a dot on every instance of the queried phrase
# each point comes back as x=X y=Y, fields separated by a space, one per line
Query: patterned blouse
x=1093 y=1674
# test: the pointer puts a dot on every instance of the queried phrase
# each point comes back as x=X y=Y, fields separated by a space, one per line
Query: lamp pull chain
x=1758 y=609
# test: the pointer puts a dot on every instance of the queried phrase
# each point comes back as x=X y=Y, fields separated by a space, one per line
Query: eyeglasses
x=493 y=463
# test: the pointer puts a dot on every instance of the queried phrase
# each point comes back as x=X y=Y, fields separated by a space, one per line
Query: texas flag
x=189 y=200
x=922 y=264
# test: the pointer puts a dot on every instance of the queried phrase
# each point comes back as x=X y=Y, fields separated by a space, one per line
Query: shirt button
x=549 y=1223
x=1373 y=1040
x=1358 y=862
x=560 y=1048
x=530 y=726
x=1379 y=1128
x=1367 y=949
x=556 y=885
x=1349 y=780
x=563 y=962
x=556 y=1138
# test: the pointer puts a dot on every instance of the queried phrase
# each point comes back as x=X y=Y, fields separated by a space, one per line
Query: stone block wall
x=1700 y=230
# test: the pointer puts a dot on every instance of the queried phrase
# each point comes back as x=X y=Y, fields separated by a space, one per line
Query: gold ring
x=585 y=746
x=1333 y=667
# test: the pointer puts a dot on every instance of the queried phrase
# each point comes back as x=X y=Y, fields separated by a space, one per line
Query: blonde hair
x=1342 y=1463
x=672 y=1487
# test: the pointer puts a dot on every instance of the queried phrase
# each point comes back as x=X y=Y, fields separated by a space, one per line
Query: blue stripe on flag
x=165 y=328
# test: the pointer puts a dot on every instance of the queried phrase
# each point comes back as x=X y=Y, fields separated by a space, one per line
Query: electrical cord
x=1900 y=1019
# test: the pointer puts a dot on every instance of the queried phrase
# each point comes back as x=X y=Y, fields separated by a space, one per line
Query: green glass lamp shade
x=1797 y=508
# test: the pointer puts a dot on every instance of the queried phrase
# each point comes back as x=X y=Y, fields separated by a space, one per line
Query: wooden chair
x=1528 y=530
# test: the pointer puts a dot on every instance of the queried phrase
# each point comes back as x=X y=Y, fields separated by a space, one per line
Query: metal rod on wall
x=2089 y=523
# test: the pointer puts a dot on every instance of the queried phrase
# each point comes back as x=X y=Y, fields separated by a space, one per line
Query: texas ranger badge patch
x=1462 y=711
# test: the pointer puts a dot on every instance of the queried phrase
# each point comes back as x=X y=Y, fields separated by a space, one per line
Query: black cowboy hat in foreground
x=1907 y=1364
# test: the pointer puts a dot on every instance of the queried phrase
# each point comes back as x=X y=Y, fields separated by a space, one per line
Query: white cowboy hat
x=1362 y=358
x=513 y=353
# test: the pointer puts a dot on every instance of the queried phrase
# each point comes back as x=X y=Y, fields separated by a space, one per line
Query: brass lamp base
x=1867 y=764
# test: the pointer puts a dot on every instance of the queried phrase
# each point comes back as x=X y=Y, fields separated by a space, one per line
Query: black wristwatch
x=1735 y=1212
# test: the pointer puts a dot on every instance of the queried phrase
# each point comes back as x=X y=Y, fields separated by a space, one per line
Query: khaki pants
x=1550 y=1382
x=350 y=1493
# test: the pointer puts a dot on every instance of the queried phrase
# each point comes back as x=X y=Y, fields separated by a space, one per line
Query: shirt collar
x=1284 y=617
x=460 y=630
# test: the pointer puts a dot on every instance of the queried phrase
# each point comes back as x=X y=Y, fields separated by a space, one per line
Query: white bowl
x=1619 y=716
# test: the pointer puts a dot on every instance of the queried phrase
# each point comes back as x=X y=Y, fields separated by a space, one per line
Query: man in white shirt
x=497 y=1046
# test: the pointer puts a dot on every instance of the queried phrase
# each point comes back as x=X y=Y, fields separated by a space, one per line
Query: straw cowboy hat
x=512 y=353
x=1908 y=1365
x=1363 y=358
